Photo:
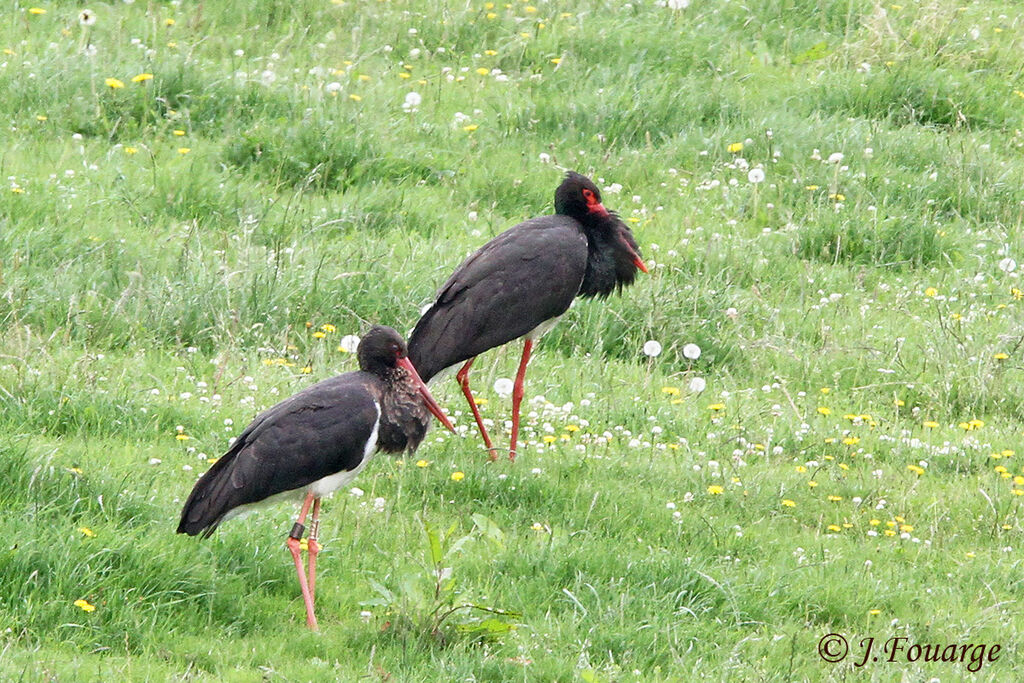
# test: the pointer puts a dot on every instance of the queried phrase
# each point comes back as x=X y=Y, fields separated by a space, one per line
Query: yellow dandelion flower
x=182 y=437
x=812 y=483
x=811 y=188
x=834 y=528
x=114 y=83
x=529 y=9
x=930 y=424
x=401 y=74
x=482 y=71
x=491 y=15
x=786 y=502
x=851 y=440
x=169 y=22
x=906 y=527
x=84 y=605
x=142 y=78
x=178 y=133
x=735 y=147
x=671 y=391
x=319 y=334
x=306 y=369
x=716 y=406
x=549 y=438
x=874 y=612
x=890 y=532
x=184 y=150
x=899 y=403
x=131 y=150
x=556 y=60
x=824 y=410
x=837 y=196
x=1018 y=480
x=359 y=98
x=834 y=499
x=1001 y=356
x=716 y=490
x=916 y=469
x=490 y=53
x=470 y=128
x=875 y=522
x=422 y=463
x=931 y=291
x=458 y=476
x=572 y=428
x=36 y=10
x=801 y=469
x=327 y=327
x=87 y=532
x=41 y=117
x=969 y=554
x=480 y=400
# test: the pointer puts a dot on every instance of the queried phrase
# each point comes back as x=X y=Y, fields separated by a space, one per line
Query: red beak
x=638 y=262
x=432 y=405
x=598 y=208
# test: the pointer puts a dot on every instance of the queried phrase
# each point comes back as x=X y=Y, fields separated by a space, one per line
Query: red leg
x=313 y=547
x=293 y=547
x=463 y=377
x=517 y=397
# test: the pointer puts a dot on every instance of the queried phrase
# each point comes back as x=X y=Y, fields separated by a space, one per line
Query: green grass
x=169 y=248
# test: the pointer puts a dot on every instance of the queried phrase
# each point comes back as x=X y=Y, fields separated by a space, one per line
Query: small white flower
x=835 y=157
x=691 y=351
x=333 y=86
x=503 y=386
x=678 y=4
x=87 y=17
x=697 y=385
x=1007 y=265
x=356 y=491
x=756 y=175
x=652 y=348
x=349 y=343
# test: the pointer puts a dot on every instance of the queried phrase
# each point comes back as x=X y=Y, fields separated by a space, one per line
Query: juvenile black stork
x=315 y=442
x=520 y=283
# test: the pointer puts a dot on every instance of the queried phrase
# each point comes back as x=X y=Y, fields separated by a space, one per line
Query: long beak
x=639 y=263
x=598 y=208
x=432 y=405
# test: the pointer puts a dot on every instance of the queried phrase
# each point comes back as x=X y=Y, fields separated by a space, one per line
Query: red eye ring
x=588 y=195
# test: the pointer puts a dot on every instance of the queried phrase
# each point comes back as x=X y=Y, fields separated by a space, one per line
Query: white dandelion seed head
x=756 y=175
x=652 y=348
x=691 y=351
x=1007 y=265
x=349 y=343
x=678 y=4
x=503 y=386
x=412 y=101
x=835 y=157
x=87 y=17
x=333 y=86
x=697 y=385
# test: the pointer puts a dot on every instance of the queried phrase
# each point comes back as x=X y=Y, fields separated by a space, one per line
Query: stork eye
x=588 y=195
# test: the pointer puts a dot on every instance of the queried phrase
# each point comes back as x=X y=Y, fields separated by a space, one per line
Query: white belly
x=319 y=488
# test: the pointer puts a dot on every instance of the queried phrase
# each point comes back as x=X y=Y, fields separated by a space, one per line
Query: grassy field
x=201 y=200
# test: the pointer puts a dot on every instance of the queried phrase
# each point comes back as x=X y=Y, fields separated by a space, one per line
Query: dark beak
x=432 y=405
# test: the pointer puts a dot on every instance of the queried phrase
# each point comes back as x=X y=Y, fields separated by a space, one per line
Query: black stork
x=315 y=442
x=520 y=283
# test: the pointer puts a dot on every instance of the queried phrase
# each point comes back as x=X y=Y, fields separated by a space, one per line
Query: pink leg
x=293 y=547
x=517 y=397
x=313 y=547
x=463 y=377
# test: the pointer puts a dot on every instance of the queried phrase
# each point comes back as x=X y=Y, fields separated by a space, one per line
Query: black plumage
x=519 y=283
x=331 y=427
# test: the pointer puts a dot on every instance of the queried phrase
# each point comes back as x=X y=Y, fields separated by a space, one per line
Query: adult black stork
x=315 y=442
x=520 y=283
